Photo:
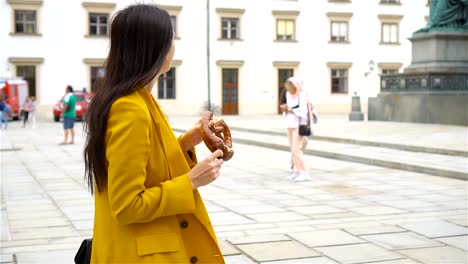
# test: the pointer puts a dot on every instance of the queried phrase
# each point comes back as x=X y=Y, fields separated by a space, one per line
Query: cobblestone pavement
x=348 y=213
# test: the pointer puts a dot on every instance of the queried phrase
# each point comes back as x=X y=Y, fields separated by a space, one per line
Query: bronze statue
x=447 y=15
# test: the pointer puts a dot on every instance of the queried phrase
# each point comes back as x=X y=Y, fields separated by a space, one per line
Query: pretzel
x=216 y=135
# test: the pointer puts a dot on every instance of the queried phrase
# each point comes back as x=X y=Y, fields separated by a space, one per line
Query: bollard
x=356 y=114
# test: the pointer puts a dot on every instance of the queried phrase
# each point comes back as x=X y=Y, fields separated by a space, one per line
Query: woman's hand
x=285 y=108
x=207 y=170
x=192 y=137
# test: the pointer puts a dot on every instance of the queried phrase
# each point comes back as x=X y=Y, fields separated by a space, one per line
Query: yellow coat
x=149 y=212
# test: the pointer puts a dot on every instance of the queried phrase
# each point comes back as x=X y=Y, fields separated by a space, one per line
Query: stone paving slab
x=322 y=238
x=460 y=242
x=437 y=255
x=436 y=229
x=397 y=241
x=358 y=253
x=277 y=251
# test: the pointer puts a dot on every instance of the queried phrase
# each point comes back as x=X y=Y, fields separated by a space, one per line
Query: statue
x=447 y=15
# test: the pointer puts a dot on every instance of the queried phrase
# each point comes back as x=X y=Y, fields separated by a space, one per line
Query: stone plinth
x=439 y=52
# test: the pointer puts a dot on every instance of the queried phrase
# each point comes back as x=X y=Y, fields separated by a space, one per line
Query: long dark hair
x=140 y=39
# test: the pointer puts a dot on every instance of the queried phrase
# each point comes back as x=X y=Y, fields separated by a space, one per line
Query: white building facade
x=253 y=46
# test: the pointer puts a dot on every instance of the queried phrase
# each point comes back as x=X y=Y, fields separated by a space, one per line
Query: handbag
x=83 y=256
x=305 y=130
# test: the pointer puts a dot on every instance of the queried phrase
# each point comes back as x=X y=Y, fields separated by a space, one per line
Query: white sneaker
x=303 y=177
x=293 y=176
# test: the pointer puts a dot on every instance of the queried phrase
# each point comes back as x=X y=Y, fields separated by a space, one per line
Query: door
x=28 y=72
x=283 y=75
x=230 y=92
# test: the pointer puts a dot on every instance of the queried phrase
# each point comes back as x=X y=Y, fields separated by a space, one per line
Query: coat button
x=193 y=260
x=184 y=224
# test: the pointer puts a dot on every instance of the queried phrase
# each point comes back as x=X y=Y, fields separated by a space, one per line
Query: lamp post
x=208 y=52
x=356 y=114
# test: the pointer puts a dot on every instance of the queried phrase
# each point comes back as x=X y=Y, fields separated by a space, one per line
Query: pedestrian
x=296 y=111
x=147 y=205
x=2 y=106
x=26 y=110
x=69 y=115
x=32 y=112
x=5 y=115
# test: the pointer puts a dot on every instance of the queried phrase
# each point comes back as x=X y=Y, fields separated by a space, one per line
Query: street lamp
x=371 y=68
x=208 y=52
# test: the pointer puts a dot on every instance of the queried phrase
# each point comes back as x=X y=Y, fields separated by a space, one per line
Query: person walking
x=5 y=115
x=145 y=180
x=296 y=111
x=69 y=115
x=32 y=112
x=26 y=110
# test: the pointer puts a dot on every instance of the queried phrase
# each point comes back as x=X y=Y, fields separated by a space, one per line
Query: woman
x=296 y=112
x=26 y=109
x=147 y=207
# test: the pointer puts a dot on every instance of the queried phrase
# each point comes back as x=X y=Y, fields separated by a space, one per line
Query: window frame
x=164 y=78
x=390 y=20
x=340 y=18
x=229 y=28
x=230 y=13
x=390 y=66
x=31 y=5
x=339 y=66
x=98 y=24
x=285 y=15
x=97 y=9
x=173 y=11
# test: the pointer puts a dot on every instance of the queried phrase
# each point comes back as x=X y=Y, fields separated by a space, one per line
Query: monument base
x=421 y=107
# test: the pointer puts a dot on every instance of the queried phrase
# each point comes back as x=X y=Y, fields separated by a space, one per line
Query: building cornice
x=95 y=61
x=171 y=8
x=285 y=13
x=25 y=60
x=230 y=63
x=343 y=65
x=286 y=64
x=230 y=10
x=98 y=5
x=25 y=2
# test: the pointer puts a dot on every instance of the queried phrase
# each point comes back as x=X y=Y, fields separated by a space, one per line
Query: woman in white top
x=295 y=112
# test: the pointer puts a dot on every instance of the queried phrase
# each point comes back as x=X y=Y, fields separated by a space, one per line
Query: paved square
x=277 y=251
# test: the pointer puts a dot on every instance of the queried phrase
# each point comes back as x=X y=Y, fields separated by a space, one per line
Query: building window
x=25 y=21
x=339 y=31
x=98 y=24
x=98 y=18
x=390 y=2
x=339 y=27
x=167 y=85
x=339 y=81
x=390 y=33
x=173 y=12
x=174 y=25
x=229 y=28
x=389 y=71
x=97 y=73
x=285 y=25
x=285 y=29
x=230 y=23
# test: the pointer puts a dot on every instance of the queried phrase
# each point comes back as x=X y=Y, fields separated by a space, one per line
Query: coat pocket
x=157 y=243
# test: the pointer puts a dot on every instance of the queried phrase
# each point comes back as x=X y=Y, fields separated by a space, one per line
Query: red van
x=15 y=92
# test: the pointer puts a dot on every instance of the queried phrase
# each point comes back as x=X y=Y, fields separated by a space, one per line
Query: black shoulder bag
x=305 y=130
x=83 y=256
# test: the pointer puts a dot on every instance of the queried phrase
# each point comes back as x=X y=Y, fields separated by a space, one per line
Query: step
x=446 y=165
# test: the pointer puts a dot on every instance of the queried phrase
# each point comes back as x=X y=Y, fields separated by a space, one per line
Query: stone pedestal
x=356 y=114
x=439 y=52
x=433 y=89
